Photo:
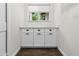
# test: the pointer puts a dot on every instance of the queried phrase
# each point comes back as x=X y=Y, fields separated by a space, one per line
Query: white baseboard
x=62 y=52
x=14 y=54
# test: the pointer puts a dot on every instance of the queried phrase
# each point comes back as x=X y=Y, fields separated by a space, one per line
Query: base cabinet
x=38 y=37
x=27 y=38
x=50 y=38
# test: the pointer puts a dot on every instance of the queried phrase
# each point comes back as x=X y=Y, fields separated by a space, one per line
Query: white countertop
x=24 y=27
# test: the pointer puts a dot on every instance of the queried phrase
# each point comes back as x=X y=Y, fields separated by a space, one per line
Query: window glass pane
x=44 y=16
x=35 y=16
x=39 y=16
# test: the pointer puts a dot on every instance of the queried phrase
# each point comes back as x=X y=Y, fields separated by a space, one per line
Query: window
x=38 y=12
x=35 y=16
x=39 y=16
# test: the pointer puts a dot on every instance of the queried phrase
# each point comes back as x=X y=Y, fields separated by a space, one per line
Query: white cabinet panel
x=38 y=37
x=27 y=37
x=50 y=40
x=2 y=43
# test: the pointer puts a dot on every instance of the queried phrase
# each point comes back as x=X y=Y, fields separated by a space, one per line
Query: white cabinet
x=50 y=39
x=2 y=43
x=27 y=37
x=38 y=37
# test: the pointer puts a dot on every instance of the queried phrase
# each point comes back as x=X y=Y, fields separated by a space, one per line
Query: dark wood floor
x=39 y=52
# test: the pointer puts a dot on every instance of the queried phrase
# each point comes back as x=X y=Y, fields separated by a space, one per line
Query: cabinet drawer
x=27 y=30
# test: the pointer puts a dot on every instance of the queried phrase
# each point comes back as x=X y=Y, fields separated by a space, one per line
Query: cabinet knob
x=50 y=33
x=27 y=33
x=38 y=33
x=50 y=29
x=27 y=30
x=38 y=29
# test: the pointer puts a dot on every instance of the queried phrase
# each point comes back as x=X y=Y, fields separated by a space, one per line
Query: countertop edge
x=38 y=27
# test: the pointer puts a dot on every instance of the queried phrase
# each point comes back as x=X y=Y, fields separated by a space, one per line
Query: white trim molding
x=62 y=52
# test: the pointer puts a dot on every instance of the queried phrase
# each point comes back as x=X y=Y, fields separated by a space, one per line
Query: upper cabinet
x=38 y=12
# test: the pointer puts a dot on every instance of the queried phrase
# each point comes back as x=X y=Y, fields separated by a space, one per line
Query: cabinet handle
x=50 y=29
x=27 y=30
x=38 y=29
x=38 y=33
x=50 y=33
x=27 y=33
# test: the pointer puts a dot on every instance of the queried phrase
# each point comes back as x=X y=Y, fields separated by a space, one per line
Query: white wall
x=15 y=17
x=68 y=34
x=49 y=23
x=68 y=39
x=57 y=14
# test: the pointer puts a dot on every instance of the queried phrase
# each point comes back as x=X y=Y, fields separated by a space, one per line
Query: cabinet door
x=27 y=37
x=2 y=43
x=50 y=40
x=38 y=37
